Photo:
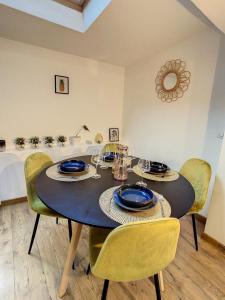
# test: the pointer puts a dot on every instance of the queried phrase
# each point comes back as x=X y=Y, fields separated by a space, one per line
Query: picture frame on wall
x=61 y=84
x=114 y=134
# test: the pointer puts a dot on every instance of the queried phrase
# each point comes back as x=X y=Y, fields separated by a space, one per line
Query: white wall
x=214 y=151
x=215 y=225
x=171 y=132
x=216 y=118
x=29 y=105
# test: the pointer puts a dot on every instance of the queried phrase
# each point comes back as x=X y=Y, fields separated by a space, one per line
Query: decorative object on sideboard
x=34 y=141
x=61 y=139
x=61 y=84
x=98 y=138
x=76 y=139
x=48 y=141
x=20 y=143
x=88 y=142
x=172 y=80
x=2 y=145
x=114 y=134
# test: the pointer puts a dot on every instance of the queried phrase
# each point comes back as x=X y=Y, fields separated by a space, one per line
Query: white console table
x=12 y=181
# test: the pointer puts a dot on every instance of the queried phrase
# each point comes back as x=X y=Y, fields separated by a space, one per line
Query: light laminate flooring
x=192 y=276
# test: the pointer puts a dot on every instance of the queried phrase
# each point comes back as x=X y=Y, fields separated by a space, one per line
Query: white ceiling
x=128 y=30
x=214 y=11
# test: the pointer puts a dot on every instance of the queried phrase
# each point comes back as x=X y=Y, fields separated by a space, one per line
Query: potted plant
x=61 y=139
x=34 y=141
x=19 y=142
x=49 y=140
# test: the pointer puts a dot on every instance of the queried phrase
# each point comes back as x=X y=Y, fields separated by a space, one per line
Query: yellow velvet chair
x=133 y=251
x=198 y=173
x=34 y=164
x=111 y=147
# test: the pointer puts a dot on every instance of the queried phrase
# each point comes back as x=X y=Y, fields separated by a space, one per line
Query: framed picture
x=114 y=134
x=61 y=84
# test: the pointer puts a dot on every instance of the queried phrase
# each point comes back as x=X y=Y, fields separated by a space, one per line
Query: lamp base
x=74 y=140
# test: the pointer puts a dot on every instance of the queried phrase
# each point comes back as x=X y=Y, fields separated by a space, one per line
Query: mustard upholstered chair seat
x=198 y=173
x=39 y=207
x=111 y=147
x=34 y=164
x=133 y=251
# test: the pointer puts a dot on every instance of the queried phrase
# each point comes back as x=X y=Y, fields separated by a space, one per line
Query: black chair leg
x=88 y=269
x=195 y=231
x=157 y=287
x=105 y=289
x=34 y=232
x=57 y=220
x=70 y=229
x=70 y=235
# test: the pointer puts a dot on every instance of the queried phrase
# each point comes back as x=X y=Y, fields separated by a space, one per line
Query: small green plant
x=61 y=139
x=49 y=140
x=34 y=140
x=20 y=142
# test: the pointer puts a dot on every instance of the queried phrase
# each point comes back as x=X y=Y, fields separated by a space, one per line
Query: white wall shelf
x=12 y=181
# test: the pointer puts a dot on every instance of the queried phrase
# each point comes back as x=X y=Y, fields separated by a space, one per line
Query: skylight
x=78 y=15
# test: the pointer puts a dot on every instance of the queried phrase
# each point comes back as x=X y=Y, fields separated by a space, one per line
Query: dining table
x=79 y=202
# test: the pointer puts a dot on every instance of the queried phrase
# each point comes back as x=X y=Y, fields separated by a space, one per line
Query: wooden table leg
x=161 y=283
x=70 y=258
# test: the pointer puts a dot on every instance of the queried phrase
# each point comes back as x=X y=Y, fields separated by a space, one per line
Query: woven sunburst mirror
x=172 y=80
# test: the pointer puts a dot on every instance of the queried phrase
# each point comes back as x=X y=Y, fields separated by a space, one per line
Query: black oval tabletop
x=79 y=201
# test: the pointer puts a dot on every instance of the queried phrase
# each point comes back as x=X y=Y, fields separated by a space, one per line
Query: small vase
x=98 y=138
x=120 y=164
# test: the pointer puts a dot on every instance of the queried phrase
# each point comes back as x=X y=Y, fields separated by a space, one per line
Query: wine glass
x=103 y=162
x=144 y=166
x=96 y=160
x=130 y=158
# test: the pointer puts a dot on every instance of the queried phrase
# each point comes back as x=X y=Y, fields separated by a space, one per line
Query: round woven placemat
x=170 y=176
x=52 y=172
x=112 y=210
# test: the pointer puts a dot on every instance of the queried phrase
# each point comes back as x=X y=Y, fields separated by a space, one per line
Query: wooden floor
x=193 y=275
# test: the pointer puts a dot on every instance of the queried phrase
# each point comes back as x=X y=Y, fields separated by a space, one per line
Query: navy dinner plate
x=72 y=166
x=109 y=156
x=157 y=167
x=134 y=196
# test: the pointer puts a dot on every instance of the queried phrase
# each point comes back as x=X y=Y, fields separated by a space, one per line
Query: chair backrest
x=34 y=164
x=111 y=147
x=138 y=250
x=198 y=173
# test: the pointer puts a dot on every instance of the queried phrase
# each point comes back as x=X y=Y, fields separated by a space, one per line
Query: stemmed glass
x=130 y=158
x=144 y=166
x=103 y=162
x=96 y=160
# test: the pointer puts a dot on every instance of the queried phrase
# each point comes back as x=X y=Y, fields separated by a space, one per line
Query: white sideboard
x=12 y=181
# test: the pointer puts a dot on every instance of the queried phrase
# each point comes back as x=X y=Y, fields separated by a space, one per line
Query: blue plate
x=109 y=156
x=157 y=168
x=134 y=196
x=122 y=205
x=72 y=166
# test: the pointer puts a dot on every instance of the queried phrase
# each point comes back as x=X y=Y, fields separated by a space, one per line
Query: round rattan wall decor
x=172 y=80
